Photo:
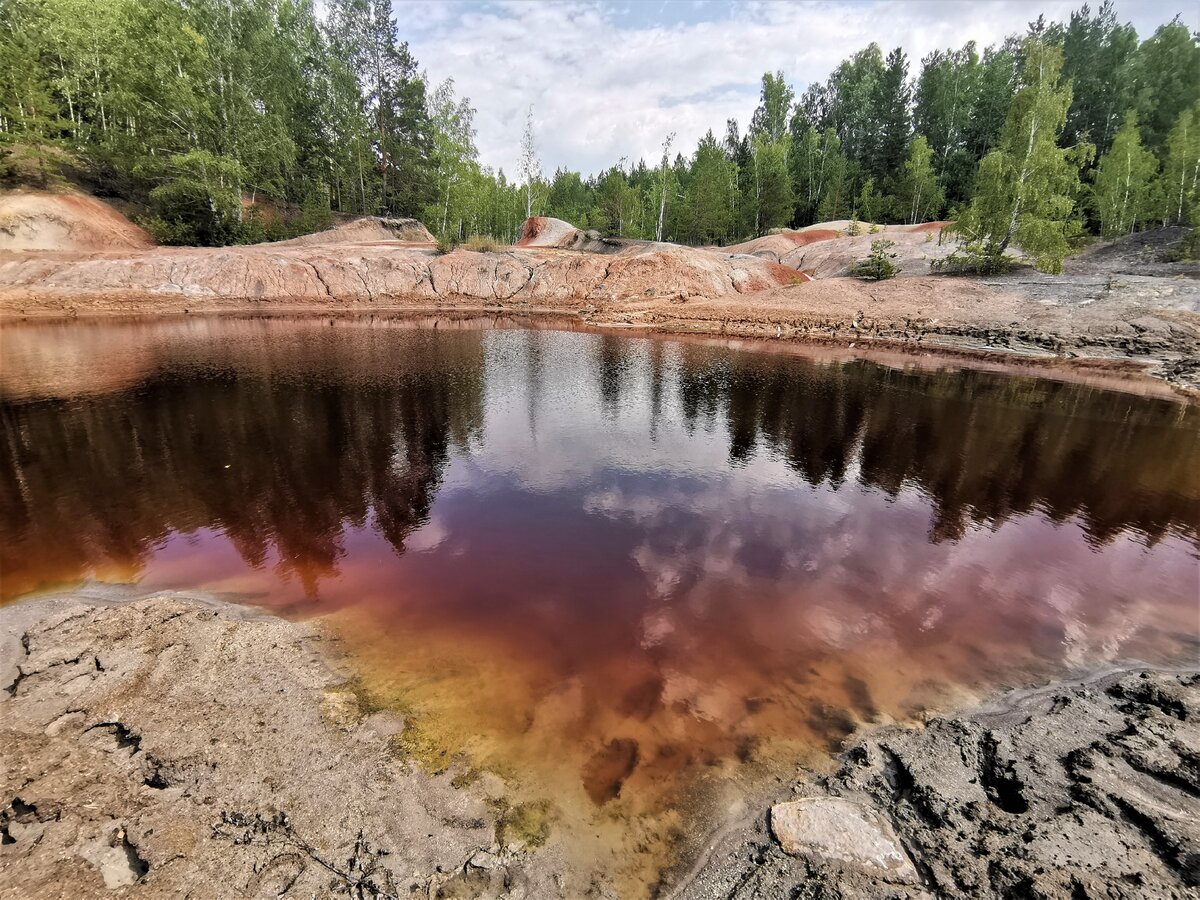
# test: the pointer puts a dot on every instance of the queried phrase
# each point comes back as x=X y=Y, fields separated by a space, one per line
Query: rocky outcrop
x=1106 y=308
x=377 y=273
x=1083 y=790
x=555 y=234
x=546 y=231
x=68 y=221
x=827 y=250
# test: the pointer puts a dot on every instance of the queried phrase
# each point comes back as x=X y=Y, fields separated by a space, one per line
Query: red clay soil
x=923 y=227
x=804 y=238
x=43 y=220
x=532 y=229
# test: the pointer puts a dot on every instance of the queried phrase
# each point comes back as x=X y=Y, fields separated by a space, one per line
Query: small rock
x=116 y=858
x=482 y=859
x=843 y=832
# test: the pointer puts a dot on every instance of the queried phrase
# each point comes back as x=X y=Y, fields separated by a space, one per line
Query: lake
x=632 y=576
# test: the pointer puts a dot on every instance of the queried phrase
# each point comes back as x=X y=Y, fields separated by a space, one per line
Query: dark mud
x=1075 y=790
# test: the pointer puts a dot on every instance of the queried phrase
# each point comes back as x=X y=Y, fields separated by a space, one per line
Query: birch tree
x=1124 y=178
x=530 y=166
x=664 y=179
x=454 y=145
x=1181 y=169
x=1026 y=188
x=920 y=194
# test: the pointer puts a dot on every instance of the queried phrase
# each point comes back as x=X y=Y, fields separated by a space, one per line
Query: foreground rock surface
x=1091 y=790
x=170 y=747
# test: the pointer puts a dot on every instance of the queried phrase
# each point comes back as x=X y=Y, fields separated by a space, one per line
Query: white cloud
x=609 y=80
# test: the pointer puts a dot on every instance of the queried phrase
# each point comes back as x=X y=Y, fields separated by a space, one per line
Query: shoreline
x=930 y=350
x=157 y=740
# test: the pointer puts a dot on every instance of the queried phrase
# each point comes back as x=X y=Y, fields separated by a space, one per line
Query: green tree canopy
x=1026 y=188
x=1122 y=191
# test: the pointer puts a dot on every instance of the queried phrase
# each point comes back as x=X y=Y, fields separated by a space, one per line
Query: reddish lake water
x=616 y=570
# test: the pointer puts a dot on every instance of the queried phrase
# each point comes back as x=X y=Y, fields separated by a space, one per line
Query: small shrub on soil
x=973 y=259
x=878 y=266
x=174 y=233
x=854 y=229
x=482 y=243
x=445 y=245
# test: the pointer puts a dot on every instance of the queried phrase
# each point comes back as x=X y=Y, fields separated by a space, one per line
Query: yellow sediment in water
x=621 y=778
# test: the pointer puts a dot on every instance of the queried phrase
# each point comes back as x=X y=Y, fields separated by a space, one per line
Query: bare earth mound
x=825 y=250
x=554 y=234
x=368 y=229
x=544 y=231
x=39 y=220
x=377 y=273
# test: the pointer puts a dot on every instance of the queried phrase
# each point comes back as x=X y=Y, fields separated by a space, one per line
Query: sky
x=610 y=80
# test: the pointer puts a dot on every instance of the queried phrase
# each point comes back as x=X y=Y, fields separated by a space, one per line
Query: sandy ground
x=160 y=745
x=67 y=221
x=169 y=745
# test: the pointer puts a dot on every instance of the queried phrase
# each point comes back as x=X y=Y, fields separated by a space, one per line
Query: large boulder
x=555 y=234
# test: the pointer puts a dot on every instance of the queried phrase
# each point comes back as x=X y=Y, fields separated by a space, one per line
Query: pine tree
x=892 y=120
x=709 y=206
x=569 y=198
x=1124 y=178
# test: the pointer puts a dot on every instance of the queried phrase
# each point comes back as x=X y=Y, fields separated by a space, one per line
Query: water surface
x=619 y=571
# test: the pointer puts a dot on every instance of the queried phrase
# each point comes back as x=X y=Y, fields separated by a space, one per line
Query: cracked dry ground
x=167 y=747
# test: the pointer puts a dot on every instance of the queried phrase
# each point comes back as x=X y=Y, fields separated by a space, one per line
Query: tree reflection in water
x=621 y=552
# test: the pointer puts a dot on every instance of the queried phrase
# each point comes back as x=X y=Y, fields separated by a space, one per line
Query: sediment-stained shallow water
x=630 y=575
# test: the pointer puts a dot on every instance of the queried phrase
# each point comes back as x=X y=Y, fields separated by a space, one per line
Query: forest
x=208 y=112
